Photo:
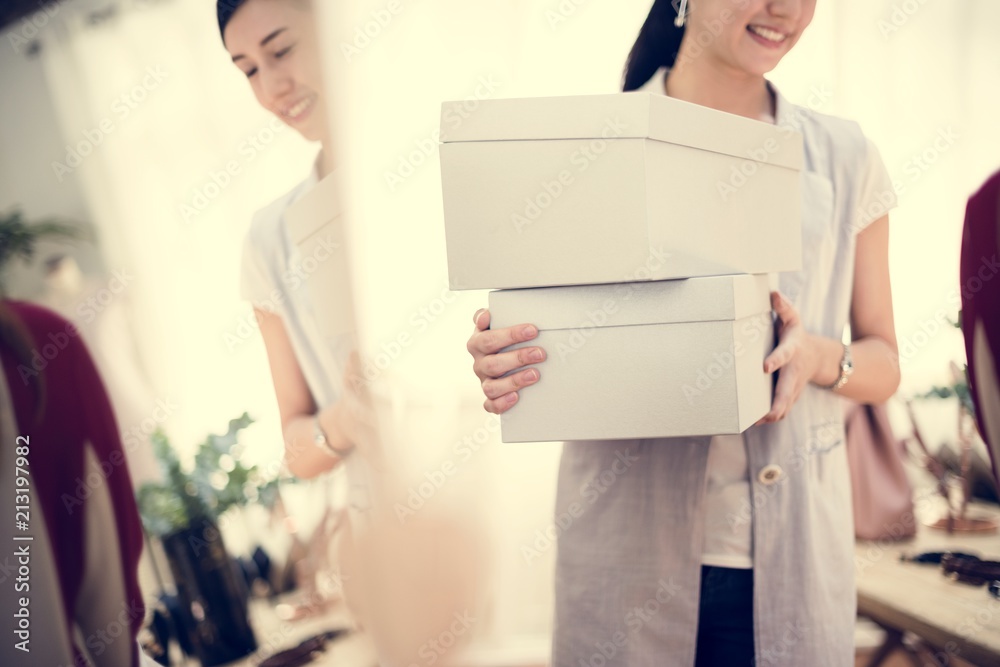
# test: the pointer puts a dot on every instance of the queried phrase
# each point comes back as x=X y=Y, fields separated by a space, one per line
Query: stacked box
x=668 y=212
x=643 y=359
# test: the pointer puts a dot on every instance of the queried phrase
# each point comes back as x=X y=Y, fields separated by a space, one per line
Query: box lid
x=713 y=298
x=620 y=116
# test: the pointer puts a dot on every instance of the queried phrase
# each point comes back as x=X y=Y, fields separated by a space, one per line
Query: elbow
x=889 y=378
x=895 y=377
x=888 y=386
x=893 y=374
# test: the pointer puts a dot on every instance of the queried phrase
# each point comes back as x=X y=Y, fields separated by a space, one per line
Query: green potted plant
x=183 y=511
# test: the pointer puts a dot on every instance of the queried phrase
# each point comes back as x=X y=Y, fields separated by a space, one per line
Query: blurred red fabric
x=980 y=290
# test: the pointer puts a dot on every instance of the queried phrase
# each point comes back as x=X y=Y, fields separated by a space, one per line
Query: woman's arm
x=298 y=411
x=804 y=357
x=873 y=332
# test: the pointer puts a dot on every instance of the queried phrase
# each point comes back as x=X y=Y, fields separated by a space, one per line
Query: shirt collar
x=782 y=108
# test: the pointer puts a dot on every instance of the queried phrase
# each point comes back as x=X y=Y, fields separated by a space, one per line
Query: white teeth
x=300 y=107
x=767 y=33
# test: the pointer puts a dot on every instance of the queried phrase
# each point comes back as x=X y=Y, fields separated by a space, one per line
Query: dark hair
x=224 y=10
x=14 y=336
x=656 y=46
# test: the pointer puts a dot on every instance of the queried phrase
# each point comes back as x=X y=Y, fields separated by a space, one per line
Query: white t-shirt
x=270 y=281
x=728 y=516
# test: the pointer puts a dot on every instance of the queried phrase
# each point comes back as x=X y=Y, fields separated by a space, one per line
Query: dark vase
x=212 y=594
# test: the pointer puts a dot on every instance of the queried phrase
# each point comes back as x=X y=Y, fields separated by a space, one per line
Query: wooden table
x=951 y=619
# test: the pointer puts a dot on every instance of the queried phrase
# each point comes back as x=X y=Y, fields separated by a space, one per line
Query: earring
x=681 y=12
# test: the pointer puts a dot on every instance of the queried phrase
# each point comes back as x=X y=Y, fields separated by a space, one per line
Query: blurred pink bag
x=880 y=489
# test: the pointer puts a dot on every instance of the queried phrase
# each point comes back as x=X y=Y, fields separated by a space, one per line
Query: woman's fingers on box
x=783 y=307
x=780 y=356
x=482 y=319
x=494 y=340
x=498 y=387
x=786 y=395
x=500 y=405
x=498 y=365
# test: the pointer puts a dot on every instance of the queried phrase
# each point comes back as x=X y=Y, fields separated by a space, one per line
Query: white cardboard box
x=642 y=360
x=615 y=188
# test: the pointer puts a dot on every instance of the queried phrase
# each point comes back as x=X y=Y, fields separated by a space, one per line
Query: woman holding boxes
x=733 y=550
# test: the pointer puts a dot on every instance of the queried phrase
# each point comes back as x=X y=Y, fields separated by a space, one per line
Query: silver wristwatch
x=846 y=368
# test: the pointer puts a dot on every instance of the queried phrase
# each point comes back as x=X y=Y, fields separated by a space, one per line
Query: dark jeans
x=725 y=619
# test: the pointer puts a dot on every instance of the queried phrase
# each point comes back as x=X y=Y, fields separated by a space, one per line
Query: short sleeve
x=876 y=194
x=256 y=276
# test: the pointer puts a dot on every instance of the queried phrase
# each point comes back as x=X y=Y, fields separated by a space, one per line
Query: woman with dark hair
x=733 y=550
x=71 y=586
x=274 y=44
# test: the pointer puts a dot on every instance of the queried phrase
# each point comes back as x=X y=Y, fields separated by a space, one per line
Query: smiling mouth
x=767 y=34
x=299 y=109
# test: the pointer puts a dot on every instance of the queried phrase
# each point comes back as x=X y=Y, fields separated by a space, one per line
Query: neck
x=721 y=87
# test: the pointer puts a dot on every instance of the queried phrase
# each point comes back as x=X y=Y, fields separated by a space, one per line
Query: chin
x=307 y=130
x=759 y=66
x=310 y=134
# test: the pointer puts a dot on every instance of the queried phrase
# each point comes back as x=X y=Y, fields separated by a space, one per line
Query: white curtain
x=178 y=157
x=932 y=76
